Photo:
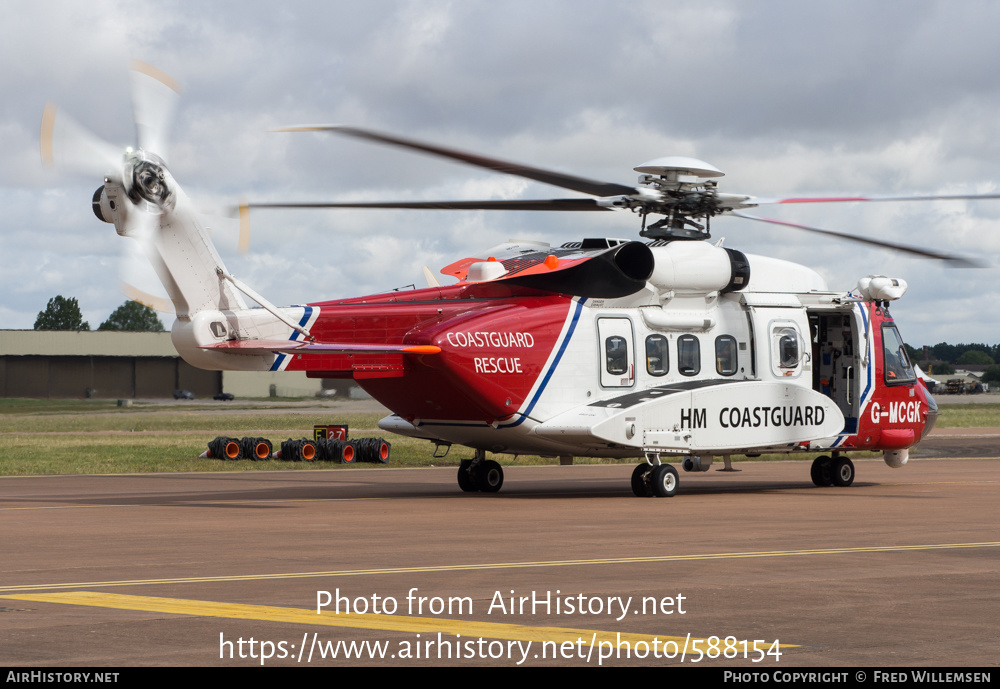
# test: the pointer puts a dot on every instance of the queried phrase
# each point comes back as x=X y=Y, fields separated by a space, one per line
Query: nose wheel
x=658 y=480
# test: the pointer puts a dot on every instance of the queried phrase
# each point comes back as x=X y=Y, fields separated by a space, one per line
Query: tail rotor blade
x=68 y=144
x=139 y=279
x=161 y=304
x=244 y=242
x=154 y=100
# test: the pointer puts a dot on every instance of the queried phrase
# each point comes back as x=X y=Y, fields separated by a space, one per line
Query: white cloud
x=785 y=97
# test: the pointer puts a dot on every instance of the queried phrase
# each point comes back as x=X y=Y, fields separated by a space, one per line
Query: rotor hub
x=146 y=180
x=687 y=193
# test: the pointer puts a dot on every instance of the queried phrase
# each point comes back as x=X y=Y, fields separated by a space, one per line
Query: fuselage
x=781 y=366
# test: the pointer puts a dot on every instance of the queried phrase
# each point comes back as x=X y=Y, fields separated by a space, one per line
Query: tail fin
x=176 y=244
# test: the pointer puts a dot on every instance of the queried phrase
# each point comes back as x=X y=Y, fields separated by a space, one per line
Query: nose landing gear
x=657 y=479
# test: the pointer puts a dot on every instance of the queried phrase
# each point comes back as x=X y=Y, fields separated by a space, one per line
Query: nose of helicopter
x=932 y=413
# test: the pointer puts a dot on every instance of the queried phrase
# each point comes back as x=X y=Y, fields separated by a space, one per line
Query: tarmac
x=756 y=568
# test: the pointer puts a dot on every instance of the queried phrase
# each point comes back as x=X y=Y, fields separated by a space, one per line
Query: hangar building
x=123 y=365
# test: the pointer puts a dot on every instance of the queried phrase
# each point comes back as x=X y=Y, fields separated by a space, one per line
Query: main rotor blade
x=68 y=144
x=154 y=100
x=850 y=199
x=558 y=179
x=506 y=205
x=952 y=259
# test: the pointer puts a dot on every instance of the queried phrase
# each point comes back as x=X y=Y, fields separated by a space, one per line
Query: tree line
x=942 y=358
x=962 y=354
x=63 y=313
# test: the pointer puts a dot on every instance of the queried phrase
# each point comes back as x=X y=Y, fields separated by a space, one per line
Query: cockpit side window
x=897 y=369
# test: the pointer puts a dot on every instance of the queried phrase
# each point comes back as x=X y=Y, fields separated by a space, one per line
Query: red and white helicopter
x=674 y=348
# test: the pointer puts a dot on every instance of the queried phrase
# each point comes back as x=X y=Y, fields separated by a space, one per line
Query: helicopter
x=672 y=348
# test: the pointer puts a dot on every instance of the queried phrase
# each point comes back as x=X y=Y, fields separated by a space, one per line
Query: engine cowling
x=103 y=206
x=699 y=268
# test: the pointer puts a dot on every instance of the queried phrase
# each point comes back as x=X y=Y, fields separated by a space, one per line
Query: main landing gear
x=480 y=474
x=660 y=480
x=832 y=471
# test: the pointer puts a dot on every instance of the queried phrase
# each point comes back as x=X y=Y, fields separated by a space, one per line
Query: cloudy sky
x=787 y=98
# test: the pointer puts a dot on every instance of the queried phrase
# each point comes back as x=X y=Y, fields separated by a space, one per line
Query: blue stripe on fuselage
x=552 y=368
x=295 y=334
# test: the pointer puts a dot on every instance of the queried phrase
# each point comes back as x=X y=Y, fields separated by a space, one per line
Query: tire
x=640 y=486
x=821 y=471
x=465 y=481
x=665 y=481
x=490 y=476
x=308 y=451
x=842 y=471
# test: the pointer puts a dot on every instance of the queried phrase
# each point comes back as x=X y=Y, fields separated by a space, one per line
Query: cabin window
x=657 y=355
x=788 y=347
x=726 y=360
x=617 y=354
x=897 y=369
x=688 y=355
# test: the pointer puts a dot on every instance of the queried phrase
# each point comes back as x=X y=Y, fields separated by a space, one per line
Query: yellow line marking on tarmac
x=396 y=623
x=504 y=565
x=190 y=503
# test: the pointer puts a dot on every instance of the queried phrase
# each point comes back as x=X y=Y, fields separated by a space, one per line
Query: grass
x=969 y=416
x=97 y=437
x=226 y=423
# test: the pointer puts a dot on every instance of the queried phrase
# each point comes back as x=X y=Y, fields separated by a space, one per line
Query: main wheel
x=665 y=481
x=843 y=472
x=822 y=471
x=465 y=481
x=640 y=482
x=490 y=476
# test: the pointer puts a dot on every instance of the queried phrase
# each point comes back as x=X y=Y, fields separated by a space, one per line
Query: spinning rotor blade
x=154 y=302
x=506 y=205
x=953 y=260
x=847 y=199
x=69 y=144
x=558 y=179
x=681 y=200
x=72 y=146
x=154 y=101
x=244 y=242
x=138 y=279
